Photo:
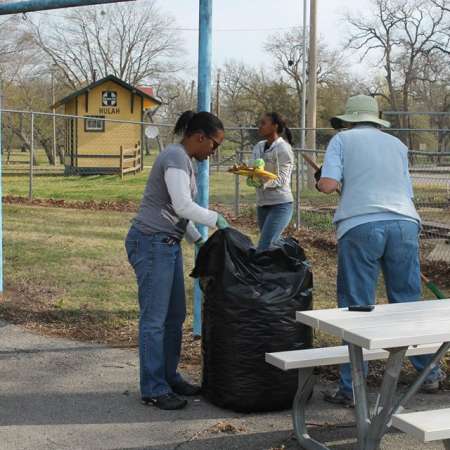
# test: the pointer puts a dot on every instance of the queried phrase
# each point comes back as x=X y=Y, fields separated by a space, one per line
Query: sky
x=240 y=27
x=263 y=18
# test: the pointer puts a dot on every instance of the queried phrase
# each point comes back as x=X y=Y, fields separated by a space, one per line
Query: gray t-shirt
x=156 y=213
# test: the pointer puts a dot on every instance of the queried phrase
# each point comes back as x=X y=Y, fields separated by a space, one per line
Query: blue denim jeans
x=388 y=245
x=158 y=266
x=272 y=220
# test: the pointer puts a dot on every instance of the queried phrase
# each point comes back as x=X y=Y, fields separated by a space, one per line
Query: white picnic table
x=394 y=328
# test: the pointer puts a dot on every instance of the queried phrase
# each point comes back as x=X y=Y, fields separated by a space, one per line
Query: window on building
x=92 y=123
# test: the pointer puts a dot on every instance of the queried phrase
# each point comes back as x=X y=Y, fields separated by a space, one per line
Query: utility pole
x=191 y=97
x=302 y=116
x=312 y=88
x=303 y=101
x=218 y=94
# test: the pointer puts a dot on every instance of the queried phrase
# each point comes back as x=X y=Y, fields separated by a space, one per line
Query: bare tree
x=246 y=93
x=34 y=94
x=132 y=43
x=13 y=47
x=432 y=92
x=287 y=52
x=400 y=33
x=442 y=42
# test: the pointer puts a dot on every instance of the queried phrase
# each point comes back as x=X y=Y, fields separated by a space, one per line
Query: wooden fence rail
x=130 y=160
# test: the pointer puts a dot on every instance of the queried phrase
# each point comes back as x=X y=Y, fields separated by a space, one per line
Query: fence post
x=54 y=117
x=141 y=154
x=297 y=189
x=302 y=174
x=218 y=159
x=237 y=189
x=137 y=158
x=30 y=187
x=121 y=162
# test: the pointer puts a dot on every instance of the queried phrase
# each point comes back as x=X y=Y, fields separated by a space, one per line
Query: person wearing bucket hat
x=359 y=109
x=377 y=225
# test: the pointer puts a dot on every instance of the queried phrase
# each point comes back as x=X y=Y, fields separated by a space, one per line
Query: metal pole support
x=40 y=5
x=306 y=381
x=30 y=184
x=297 y=189
x=204 y=104
x=359 y=393
x=386 y=398
x=237 y=187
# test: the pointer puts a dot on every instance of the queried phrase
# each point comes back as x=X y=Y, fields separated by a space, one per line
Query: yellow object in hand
x=259 y=164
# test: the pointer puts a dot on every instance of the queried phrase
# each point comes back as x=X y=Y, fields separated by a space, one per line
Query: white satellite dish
x=151 y=132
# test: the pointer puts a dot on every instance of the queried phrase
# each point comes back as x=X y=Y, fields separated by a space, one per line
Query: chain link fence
x=42 y=146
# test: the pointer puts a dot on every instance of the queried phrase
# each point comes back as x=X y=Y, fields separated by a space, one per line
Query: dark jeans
x=159 y=272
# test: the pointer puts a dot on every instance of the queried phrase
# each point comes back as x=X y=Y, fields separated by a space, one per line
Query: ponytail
x=288 y=134
x=183 y=122
x=278 y=120
x=191 y=122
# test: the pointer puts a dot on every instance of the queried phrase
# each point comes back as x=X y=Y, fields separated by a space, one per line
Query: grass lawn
x=73 y=263
x=66 y=274
x=67 y=269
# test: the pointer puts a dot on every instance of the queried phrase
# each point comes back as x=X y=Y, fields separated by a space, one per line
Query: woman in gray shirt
x=166 y=215
x=274 y=197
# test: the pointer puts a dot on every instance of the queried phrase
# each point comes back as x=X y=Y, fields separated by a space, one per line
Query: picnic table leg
x=306 y=380
x=359 y=394
x=386 y=398
x=401 y=404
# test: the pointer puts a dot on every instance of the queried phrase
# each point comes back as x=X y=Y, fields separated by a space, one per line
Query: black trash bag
x=250 y=300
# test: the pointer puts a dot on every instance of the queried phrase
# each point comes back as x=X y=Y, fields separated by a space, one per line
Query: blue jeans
x=393 y=247
x=159 y=272
x=272 y=220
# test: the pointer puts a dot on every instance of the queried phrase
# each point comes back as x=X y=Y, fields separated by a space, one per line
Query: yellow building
x=94 y=146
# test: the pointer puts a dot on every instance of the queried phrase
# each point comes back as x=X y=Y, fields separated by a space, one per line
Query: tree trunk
x=60 y=152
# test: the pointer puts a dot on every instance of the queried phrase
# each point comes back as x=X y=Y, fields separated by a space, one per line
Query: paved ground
x=58 y=394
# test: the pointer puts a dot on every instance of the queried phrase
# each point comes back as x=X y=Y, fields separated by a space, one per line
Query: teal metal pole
x=40 y=5
x=203 y=104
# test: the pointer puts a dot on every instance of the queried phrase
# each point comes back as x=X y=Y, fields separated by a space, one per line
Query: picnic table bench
x=388 y=332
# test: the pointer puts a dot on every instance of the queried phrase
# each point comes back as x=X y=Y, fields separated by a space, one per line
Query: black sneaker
x=185 y=388
x=433 y=386
x=338 y=398
x=169 y=401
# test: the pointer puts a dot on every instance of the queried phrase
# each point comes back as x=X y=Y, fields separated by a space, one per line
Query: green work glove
x=198 y=244
x=221 y=222
x=253 y=182
x=259 y=163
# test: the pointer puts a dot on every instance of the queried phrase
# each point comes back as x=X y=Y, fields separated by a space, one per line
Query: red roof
x=146 y=90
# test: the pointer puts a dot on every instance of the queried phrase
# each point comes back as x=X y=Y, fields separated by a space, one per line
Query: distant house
x=94 y=146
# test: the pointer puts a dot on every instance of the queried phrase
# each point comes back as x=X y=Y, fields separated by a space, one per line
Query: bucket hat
x=359 y=108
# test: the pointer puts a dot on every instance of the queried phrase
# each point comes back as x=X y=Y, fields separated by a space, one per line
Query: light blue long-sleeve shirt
x=333 y=168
